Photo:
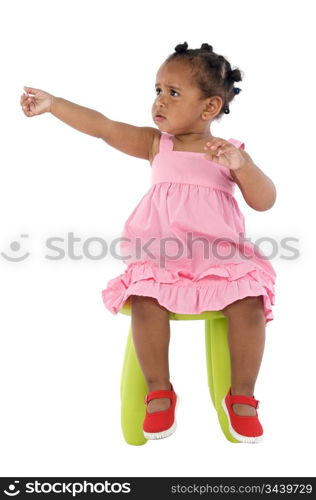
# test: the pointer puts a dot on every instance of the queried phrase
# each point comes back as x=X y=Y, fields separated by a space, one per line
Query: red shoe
x=160 y=424
x=244 y=428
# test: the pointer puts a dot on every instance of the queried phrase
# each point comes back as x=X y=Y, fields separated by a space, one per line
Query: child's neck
x=193 y=137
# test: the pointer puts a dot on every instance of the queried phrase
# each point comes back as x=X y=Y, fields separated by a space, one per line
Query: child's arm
x=132 y=140
x=257 y=188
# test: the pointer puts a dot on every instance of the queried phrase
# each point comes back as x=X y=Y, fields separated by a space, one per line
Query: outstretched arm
x=85 y=120
x=132 y=140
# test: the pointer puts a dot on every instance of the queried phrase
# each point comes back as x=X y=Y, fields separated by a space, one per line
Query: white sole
x=167 y=432
x=240 y=437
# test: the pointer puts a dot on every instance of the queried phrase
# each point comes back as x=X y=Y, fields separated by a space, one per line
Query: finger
x=30 y=90
x=220 y=147
x=26 y=107
x=26 y=103
x=28 y=113
x=216 y=153
x=214 y=149
x=23 y=98
x=222 y=150
x=214 y=144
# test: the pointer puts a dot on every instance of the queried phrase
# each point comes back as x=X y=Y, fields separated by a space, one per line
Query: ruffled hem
x=183 y=293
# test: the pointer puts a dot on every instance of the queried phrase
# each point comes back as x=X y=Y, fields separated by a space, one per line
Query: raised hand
x=35 y=101
x=224 y=153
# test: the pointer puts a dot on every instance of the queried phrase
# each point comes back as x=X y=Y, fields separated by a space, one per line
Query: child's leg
x=151 y=336
x=246 y=339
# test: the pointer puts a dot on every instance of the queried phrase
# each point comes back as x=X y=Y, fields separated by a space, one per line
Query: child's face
x=178 y=100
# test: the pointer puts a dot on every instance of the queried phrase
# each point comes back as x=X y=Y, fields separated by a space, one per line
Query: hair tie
x=181 y=47
x=226 y=109
x=237 y=90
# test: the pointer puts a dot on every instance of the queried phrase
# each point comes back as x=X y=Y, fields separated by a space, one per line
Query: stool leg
x=218 y=366
x=208 y=350
x=133 y=392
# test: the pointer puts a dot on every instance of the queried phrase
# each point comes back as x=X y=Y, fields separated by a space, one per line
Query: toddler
x=184 y=243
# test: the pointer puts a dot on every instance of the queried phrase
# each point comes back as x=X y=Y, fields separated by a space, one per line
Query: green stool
x=133 y=384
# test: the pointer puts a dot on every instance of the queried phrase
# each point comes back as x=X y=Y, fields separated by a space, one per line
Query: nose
x=160 y=102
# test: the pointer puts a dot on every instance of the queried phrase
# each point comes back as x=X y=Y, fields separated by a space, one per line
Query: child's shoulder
x=155 y=145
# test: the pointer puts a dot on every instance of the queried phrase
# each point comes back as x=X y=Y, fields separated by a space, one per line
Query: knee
x=250 y=308
x=255 y=308
x=142 y=305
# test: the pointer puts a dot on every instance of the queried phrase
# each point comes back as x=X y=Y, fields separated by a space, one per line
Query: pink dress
x=185 y=244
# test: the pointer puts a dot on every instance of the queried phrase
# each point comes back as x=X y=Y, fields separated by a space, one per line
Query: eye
x=157 y=89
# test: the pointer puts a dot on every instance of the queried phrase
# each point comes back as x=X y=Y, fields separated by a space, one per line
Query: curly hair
x=212 y=73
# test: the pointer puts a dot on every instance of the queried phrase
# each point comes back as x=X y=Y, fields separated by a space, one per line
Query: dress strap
x=165 y=143
x=238 y=144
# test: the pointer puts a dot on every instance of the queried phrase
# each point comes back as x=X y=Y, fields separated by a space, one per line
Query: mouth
x=160 y=117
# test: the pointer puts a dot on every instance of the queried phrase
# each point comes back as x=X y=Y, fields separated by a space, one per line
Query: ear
x=213 y=105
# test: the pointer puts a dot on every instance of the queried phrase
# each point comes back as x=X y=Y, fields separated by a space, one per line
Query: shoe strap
x=159 y=394
x=248 y=400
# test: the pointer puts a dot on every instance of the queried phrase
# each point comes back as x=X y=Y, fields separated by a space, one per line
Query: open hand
x=37 y=103
x=224 y=153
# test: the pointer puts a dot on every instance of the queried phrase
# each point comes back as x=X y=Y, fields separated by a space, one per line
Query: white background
x=61 y=349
